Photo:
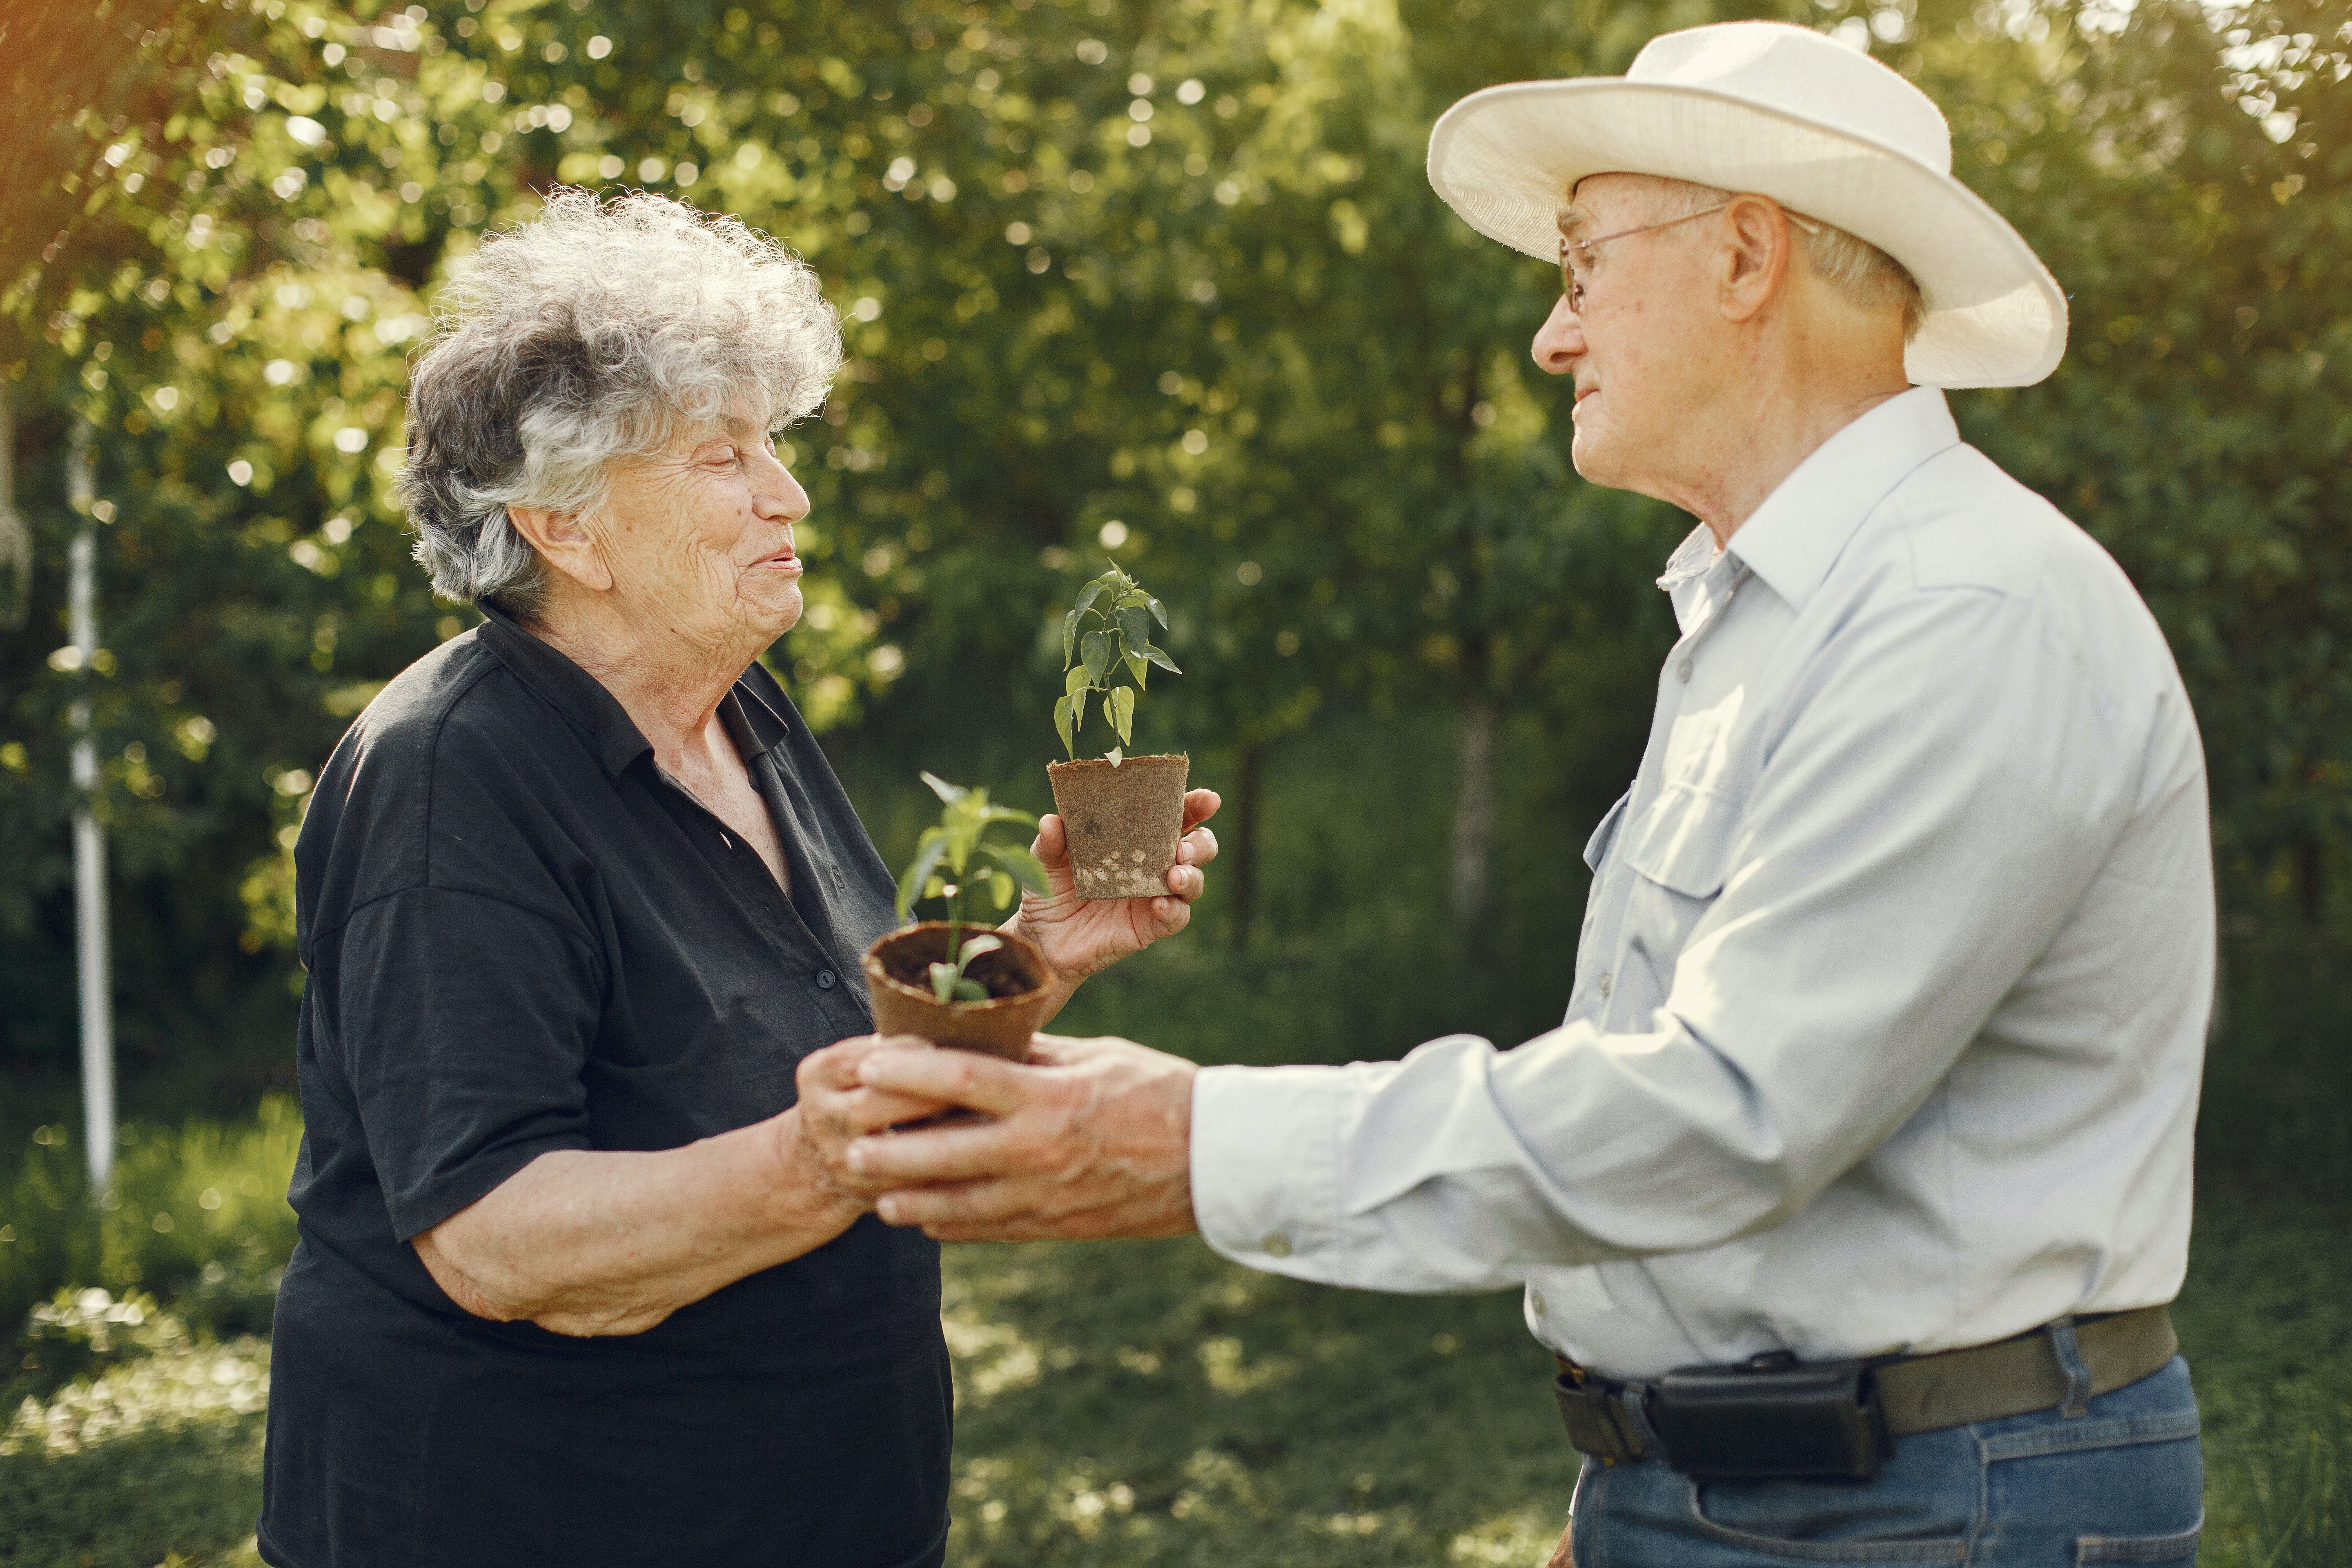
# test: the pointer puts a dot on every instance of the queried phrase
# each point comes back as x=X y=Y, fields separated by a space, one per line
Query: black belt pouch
x=1776 y=1420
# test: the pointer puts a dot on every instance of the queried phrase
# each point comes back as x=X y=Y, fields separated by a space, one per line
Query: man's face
x=1644 y=348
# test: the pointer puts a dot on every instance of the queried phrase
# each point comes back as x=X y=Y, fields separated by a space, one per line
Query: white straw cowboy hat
x=1788 y=113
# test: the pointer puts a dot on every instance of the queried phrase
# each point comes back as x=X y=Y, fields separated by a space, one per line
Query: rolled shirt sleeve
x=1940 y=784
x=461 y=1024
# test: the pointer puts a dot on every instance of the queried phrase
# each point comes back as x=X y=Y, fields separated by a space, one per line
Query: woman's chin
x=777 y=608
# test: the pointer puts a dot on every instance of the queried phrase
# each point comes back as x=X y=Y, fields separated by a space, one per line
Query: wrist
x=801 y=1187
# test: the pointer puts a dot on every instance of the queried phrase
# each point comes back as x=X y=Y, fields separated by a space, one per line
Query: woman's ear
x=564 y=542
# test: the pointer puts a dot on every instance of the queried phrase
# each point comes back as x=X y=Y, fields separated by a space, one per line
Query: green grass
x=1145 y=1403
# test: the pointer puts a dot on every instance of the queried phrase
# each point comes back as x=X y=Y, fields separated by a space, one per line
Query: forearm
x=595 y=1242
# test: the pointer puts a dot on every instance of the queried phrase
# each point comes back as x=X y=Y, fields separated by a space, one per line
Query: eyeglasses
x=1577 y=254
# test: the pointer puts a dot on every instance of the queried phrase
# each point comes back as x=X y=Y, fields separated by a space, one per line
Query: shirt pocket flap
x=1596 y=849
x=1684 y=841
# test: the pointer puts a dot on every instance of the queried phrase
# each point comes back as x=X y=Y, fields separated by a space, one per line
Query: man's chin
x=1591 y=454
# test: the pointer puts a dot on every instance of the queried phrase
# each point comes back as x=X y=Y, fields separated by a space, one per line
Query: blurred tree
x=1162 y=280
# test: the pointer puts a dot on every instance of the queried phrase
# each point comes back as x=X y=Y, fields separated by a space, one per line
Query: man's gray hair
x=1855 y=271
x=596 y=331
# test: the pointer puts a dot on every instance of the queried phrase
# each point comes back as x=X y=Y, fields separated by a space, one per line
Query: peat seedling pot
x=898 y=974
x=1123 y=820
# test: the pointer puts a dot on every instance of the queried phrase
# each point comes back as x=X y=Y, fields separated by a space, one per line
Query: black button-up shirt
x=523 y=936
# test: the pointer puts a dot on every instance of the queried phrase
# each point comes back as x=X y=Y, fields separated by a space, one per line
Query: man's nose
x=1559 y=340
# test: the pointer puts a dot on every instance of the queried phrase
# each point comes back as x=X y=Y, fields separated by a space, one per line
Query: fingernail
x=855 y=1158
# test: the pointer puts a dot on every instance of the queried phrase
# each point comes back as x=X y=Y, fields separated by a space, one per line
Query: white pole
x=89 y=838
x=16 y=539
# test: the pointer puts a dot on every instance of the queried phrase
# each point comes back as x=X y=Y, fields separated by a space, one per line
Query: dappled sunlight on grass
x=154 y=1462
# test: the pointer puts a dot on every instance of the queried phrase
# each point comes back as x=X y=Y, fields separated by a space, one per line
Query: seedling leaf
x=1138 y=667
x=1135 y=626
x=1026 y=869
x=1001 y=888
x=1122 y=703
x=916 y=883
x=1159 y=658
x=1066 y=726
x=1114 y=756
x=1095 y=649
x=1158 y=610
x=944 y=790
x=1069 y=637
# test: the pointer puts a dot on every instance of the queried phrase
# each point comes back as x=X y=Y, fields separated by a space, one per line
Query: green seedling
x=949 y=860
x=1092 y=655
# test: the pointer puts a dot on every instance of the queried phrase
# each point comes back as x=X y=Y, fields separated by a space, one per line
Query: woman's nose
x=1559 y=341
x=776 y=495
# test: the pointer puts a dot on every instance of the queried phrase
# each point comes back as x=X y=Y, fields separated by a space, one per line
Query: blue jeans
x=2122 y=1483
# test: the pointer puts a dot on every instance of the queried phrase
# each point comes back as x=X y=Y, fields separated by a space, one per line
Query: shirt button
x=1607 y=980
x=1275 y=1244
x=1536 y=1300
x=1681 y=670
x=825 y=979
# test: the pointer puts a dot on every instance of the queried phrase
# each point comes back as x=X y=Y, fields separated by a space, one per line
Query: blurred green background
x=1159 y=279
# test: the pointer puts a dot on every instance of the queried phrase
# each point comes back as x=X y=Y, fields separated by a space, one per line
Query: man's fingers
x=982 y=1202
x=1065 y=1050
x=1000 y=1216
x=951 y=1151
x=856 y=1111
x=1200 y=805
x=1053 y=842
x=969 y=1079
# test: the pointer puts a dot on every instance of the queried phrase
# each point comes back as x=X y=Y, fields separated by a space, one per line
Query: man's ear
x=1755 y=260
x=562 y=541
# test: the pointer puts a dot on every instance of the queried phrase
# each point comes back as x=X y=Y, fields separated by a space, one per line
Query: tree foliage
x=1161 y=276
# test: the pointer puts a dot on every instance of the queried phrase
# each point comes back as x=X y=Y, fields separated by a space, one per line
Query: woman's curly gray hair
x=594 y=332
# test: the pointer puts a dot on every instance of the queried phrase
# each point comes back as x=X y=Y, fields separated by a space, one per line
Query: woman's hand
x=1080 y=937
x=834 y=1108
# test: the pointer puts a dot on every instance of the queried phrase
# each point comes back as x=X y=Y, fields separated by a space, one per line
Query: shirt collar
x=752 y=720
x=1796 y=536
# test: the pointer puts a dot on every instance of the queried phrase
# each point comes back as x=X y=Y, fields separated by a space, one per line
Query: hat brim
x=1507 y=159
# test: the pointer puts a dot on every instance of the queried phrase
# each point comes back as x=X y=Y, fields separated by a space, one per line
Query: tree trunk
x=1245 y=846
x=1474 y=816
x=2311 y=883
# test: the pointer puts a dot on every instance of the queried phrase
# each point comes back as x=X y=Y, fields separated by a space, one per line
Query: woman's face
x=699 y=538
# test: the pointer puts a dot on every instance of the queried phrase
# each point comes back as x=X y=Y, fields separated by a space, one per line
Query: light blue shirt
x=1890 y=1003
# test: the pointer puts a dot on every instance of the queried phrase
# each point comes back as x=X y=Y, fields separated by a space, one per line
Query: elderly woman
x=583 y=1276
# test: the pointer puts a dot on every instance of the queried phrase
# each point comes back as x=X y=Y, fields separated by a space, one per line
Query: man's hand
x=1091 y=1139
x=1080 y=937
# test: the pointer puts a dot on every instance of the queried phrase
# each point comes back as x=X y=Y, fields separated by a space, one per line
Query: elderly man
x=1849 y=1193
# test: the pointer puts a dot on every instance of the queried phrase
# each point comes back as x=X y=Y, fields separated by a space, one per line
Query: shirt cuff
x=1268 y=1159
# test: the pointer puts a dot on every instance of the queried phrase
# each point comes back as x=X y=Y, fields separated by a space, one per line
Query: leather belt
x=1610 y=1419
